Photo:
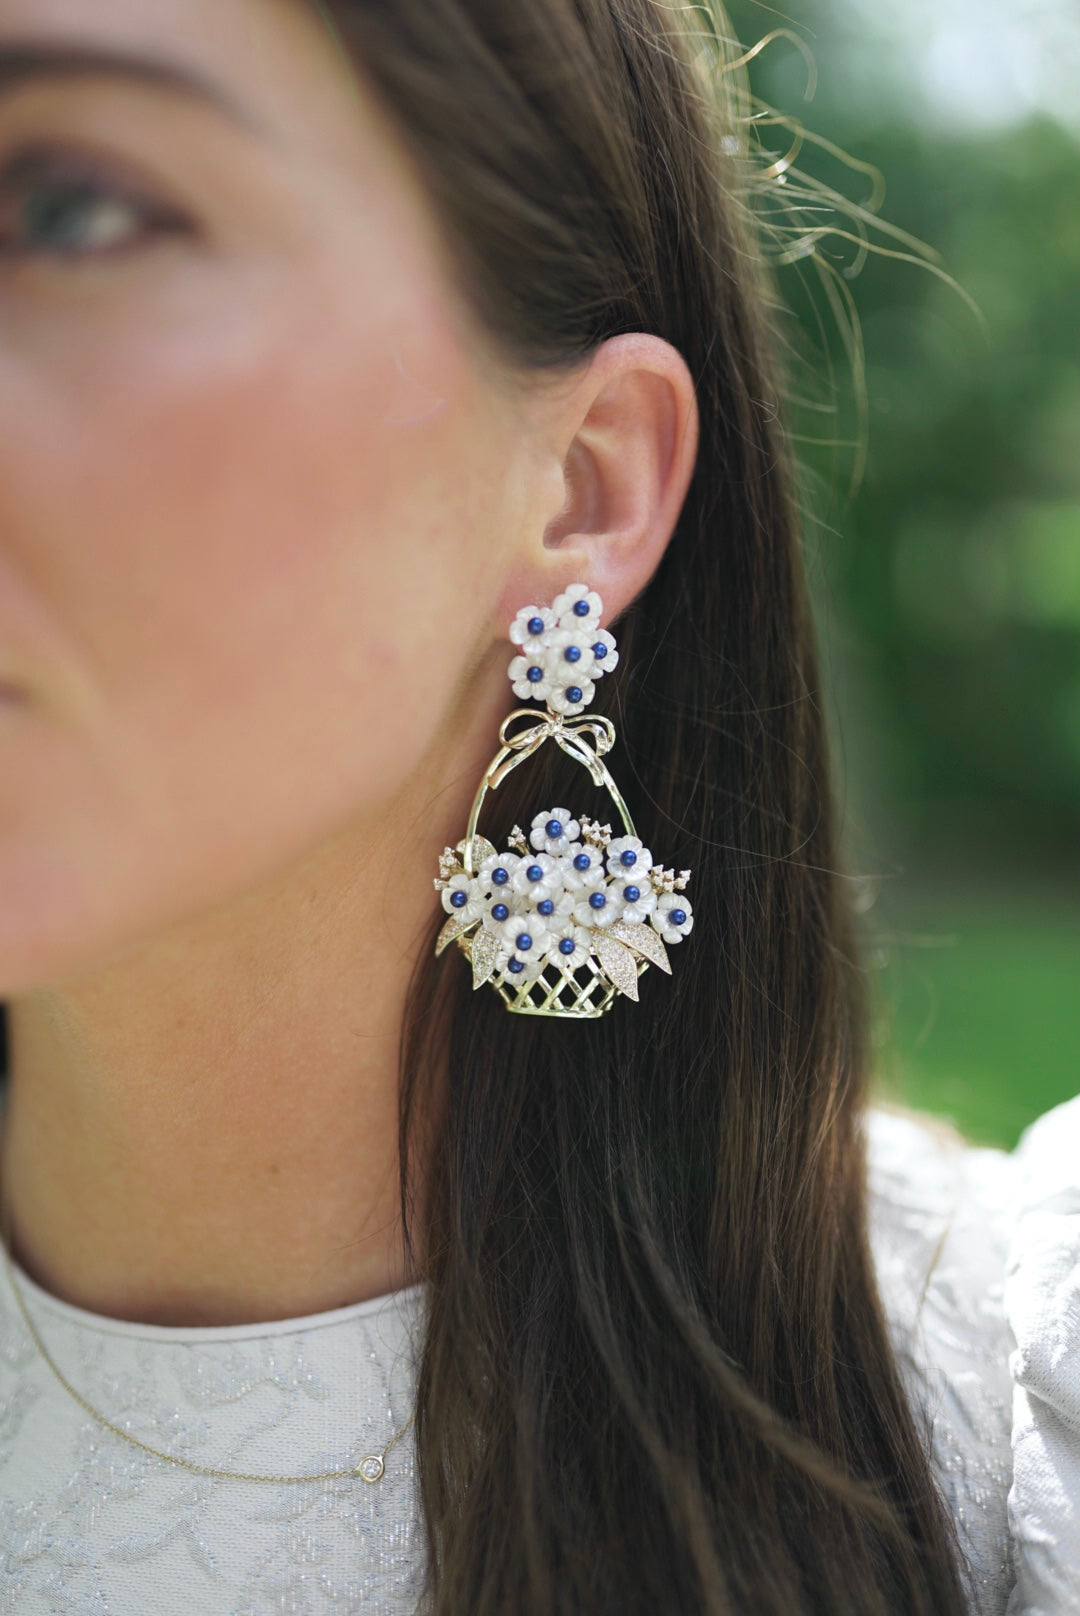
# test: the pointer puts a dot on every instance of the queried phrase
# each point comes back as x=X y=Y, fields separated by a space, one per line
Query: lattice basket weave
x=585 y=992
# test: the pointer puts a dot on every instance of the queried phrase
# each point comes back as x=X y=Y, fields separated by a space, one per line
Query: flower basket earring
x=568 y=916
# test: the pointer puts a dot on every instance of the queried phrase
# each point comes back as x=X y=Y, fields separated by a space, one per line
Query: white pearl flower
x=673 y=917
x=525 y=935
x=597 y=908
x=538 y=877
x=627 y=855
x=569 y=959
x=550 y=910
x=463 y=897
x=546 y=838
x=539 y=687
x=516 y=970
x=568 y=607
x=499 y=906
x=637 y=898
x=569 y=656
x=605 y=656
x=494 y=874
x=530 y=629
x=582 y=867
x=572 y=698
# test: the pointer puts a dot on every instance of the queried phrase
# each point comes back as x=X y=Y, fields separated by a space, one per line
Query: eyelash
x=79 y=180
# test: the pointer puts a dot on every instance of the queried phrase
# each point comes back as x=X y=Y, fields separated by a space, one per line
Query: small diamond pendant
x=371 y=1468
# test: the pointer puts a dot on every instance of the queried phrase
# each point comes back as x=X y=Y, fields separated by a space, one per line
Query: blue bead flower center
x=599 y=650
x=581 y=608
x=628 y=857
x=631 y=894
x=596 y=900
x=500 y=911
x=566 y=945
x=459 y=898
x=582 y=861
x=536 y=625
x=546 y=906
x=500 y=876
x=572 y=653
x=677 y=916
x=515 y=965
x=534 y=674
x=523 y=941
x=535 y=872
x=573 y=694
x=554 y=828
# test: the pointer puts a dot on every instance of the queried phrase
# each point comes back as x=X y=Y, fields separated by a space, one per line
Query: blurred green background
x=945 y=550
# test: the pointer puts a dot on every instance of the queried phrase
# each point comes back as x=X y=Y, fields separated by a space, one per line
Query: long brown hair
x=655 y=1375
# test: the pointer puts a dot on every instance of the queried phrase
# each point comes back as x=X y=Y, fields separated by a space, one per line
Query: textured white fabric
x=89 y=1526
x=1042 y=1297
x=940 y=1220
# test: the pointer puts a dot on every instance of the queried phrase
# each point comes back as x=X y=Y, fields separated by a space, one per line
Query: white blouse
x=1042 y=1296
x=91 y=1525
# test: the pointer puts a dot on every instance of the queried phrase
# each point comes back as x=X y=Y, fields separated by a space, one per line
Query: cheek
x=263 y=563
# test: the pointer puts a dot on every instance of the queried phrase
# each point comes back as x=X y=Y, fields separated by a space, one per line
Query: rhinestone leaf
x=618 y=962
x=644 y=940
x=453 y=928
x=481 y=849
x=484 y=951
x=370 y=1468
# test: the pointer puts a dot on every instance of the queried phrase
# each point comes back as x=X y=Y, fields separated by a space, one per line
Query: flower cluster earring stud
x=568 y=915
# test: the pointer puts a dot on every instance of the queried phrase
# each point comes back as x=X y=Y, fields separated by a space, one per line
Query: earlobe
x=630 y=429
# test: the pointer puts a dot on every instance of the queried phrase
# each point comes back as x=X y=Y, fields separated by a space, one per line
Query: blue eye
x=62 y=208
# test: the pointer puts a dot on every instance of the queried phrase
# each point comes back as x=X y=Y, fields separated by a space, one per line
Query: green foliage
x=957 y=571
x=949 y=580
x=979 y=1014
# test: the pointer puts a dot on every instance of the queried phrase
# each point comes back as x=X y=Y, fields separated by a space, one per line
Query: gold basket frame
x=586 y=992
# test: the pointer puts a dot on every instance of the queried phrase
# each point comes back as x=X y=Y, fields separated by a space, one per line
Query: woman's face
x=256 y=480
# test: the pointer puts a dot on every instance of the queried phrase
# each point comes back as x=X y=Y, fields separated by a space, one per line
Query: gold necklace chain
x=370 y=1468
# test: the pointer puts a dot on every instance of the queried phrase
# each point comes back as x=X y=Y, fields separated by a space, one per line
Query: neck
x=202 y=1129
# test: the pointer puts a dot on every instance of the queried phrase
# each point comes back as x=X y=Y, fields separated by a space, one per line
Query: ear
x=618 y=445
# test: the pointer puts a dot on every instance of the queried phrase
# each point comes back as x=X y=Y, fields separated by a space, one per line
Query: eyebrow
x=21 y=63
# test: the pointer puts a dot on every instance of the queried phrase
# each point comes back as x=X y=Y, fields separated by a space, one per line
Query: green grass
x=979 y=1008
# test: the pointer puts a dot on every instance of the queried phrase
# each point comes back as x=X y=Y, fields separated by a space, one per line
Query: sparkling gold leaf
x=481 y=849
x=645 y=940
x=453 y=928
x=484 y=951
x=618 y=962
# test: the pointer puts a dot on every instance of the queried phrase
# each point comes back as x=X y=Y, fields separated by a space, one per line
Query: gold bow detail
x=585 y=737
